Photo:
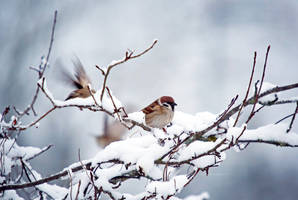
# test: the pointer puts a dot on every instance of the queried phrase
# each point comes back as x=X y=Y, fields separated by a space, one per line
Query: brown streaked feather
x=152 y=107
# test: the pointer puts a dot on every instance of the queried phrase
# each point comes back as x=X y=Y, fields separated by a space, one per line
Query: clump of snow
x=43 y=84
x=137 y=116
x=11 y=194
x=37 y=125
x=142 y=151
x=107 y=102
x=196 y=122
x=54 y=191
x=267 y=86
x=292 y=99
x=13 y=151
x=167 y=188
x=203 y=196
x=76 y=101
x=270 y=132
x=198 y=148
x=113 y=62
x=234 y=132
x=206 y=161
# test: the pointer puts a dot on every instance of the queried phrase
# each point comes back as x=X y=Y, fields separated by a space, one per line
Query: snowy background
x=203 y=59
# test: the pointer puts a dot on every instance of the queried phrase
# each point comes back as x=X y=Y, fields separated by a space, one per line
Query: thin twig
x=31 y=106
x=257 y=96
x=116 y=110
x=102 y=71
x=5 y=112
x=293 y=118
x=248 y=88
x=284 y=118
x=128 y=56
x=242 y=132
x=70 y=182
x=192 y=177
x=51 y=43
x=90 y=91
x=277 y=143
x=41 y=151
x=78 y=190
x=35 y=122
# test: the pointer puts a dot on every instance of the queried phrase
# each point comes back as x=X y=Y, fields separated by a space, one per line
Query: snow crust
x=203 y=196
x=267 y=86
x=166 y=188
x=270 y=132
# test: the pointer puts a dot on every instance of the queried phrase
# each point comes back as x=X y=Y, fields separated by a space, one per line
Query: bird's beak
x=173 y=106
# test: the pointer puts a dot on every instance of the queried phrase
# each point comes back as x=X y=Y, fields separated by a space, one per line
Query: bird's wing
x=151 y=108
x=82 y=93
x=81 y=76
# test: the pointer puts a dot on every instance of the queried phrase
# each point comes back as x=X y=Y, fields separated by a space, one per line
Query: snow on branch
x=150 y=157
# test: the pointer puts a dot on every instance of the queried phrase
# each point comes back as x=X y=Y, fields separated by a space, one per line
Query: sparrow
x=111 y=132
x=160 y=113
x=80 y=81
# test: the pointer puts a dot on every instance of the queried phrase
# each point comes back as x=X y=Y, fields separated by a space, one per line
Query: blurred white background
x=203 y=59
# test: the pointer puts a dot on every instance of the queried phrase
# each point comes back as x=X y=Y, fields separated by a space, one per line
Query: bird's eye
x=165 y=104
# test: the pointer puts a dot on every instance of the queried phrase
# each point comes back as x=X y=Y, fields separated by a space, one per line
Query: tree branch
x=128 y=56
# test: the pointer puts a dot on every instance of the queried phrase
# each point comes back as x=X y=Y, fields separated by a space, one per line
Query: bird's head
x=167 y=102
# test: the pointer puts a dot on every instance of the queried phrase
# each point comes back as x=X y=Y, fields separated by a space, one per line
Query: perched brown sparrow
x=79 y=81
x=160 y=113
